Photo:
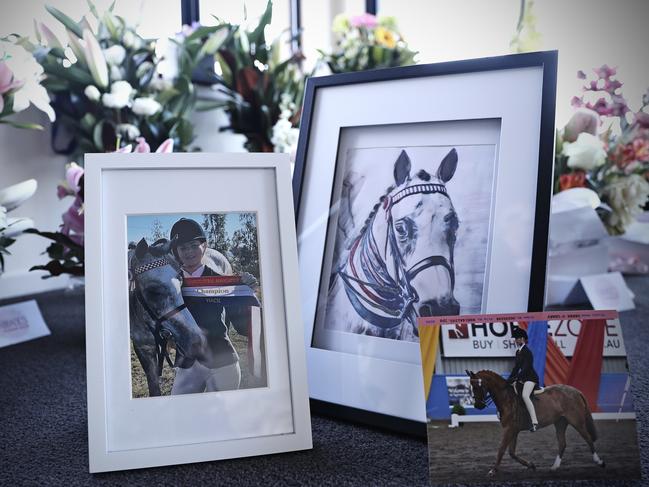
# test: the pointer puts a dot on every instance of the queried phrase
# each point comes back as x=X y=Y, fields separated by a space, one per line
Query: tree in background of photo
x=365 y=42
x=244 y=247
x=214 y=226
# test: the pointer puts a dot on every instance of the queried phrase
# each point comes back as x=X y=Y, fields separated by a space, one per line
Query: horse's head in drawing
x=156 y=281
x=424 y=225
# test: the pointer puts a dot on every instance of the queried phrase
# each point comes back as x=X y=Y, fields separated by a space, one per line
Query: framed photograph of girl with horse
x=194 y=341
x=195 y=319
x=528 y=398
x=419 y=191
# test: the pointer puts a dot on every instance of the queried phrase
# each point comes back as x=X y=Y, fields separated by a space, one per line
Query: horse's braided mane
x=375 y=208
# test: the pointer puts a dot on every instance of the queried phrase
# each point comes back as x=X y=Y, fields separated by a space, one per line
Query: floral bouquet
x=110 y=86
x=605 y=147
x=367 y=42
x=263 y=93
x=20 y=85
x=66 y=250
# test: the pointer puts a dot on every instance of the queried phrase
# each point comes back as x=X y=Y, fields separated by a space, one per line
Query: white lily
x=13 y=196
x=95 y=59
x=16 y=226
x=52 y=40
x=77 y=46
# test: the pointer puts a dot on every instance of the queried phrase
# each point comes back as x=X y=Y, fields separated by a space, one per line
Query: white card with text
x=20 y=322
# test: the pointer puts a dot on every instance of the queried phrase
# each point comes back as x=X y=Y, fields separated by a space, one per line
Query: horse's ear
x=447 y=167
x=467 y=372
x=141 y=248
x=402 y=168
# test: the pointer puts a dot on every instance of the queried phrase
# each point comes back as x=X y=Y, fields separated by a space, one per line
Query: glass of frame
x=194 y=338
x=419 y=191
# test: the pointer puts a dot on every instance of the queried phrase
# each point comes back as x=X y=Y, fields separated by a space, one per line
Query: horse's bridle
x=160 y=334
x=392 y=296
x=486 y=400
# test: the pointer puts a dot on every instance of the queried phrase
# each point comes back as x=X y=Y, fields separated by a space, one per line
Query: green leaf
x=257 y=35
x=206 y=105
x=27 y=126
x=97 y=136
x=93 y=9
x=65 y=20
x=204 y=31
x=88 y=122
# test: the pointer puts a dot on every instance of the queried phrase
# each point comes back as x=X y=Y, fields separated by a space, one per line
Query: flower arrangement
x=10 y=199
x=367 y=42
x=110 y=86
x=66 y=250
x=263 y=93
x=20 y=85
x=605 y=147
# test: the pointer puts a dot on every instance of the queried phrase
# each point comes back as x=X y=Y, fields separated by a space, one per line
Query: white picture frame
x=126 y=433
x=506 y=103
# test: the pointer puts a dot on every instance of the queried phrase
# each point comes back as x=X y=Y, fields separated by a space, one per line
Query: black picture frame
x=316 y=85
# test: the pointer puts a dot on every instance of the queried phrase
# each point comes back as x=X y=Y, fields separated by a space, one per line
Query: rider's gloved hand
x=248 y=279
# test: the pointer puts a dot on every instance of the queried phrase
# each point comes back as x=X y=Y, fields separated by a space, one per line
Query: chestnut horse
x=560 y=405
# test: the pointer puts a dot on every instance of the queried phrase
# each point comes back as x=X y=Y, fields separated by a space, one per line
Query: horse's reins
x=487 y=397
x=160 y=335
x=379 y=290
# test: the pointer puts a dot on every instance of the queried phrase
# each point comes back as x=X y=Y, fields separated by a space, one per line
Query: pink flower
x=166 y=147
x=73 y=221
x=581 y=74
x=642 y=119
x=142 y=146
x=584 y=120
x=7 y=82
x=366 y=20
x=605 y=71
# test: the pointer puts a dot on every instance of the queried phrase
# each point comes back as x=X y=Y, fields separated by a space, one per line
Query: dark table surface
x=43 y=421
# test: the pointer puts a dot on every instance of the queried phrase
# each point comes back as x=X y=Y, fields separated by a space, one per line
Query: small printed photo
x=534 y=397
x=195 y=303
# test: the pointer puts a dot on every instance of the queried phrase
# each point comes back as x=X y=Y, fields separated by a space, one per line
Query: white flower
x=284 y=135
x=95 y=59
x=115 y=55
x=158 y=83
x=626 y=196
x=119 y=96
x=15 y=195
x=92 y=93
x=16 y=226
x=27 y=70
x=146 y=106
x=586 y=153
x=129 y=39
x=129 y=130
x=116 y=73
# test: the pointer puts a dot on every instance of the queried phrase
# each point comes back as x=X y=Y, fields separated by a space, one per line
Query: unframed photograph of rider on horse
x=194 y=303
x=529 y=398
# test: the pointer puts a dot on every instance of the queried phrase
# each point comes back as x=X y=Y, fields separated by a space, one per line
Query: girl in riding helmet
x=524 y=372
x=223 y=372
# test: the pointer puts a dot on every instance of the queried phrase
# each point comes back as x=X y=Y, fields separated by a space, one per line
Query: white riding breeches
x=199 y=378
x=528 y=388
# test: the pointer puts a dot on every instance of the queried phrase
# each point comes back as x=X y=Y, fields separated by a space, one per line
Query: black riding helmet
x=519 y=333
x=186 y=230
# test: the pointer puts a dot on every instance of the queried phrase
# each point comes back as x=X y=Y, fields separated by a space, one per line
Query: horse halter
x=381 y=299
x=160 y=335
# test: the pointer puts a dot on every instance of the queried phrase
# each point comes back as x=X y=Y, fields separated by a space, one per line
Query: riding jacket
x=523 y=370
x=210 y=317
